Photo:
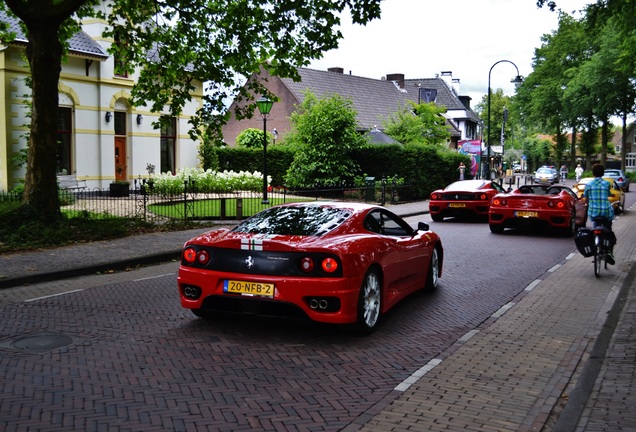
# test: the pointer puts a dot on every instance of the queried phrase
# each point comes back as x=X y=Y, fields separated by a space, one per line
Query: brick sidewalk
x=516 y=372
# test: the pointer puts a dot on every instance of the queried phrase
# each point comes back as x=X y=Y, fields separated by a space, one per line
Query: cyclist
x=596 y=194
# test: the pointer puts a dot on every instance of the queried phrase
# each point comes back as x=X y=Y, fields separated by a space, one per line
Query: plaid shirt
x=597 y=193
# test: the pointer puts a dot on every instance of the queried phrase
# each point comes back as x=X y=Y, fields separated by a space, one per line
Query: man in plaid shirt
x=596 y=194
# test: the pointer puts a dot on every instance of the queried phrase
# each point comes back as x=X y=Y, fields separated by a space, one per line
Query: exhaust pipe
x=313 y=303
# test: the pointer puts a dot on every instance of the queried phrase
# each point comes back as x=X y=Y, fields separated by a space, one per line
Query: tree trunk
x=624 y=142
x=573 y=150
x=44 y=54
x=604 y=140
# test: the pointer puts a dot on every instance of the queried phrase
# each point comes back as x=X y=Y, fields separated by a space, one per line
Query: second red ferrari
x=555 y=207
x=463 y=198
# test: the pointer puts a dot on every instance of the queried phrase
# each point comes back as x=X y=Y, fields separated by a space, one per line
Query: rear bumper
x=302 y=295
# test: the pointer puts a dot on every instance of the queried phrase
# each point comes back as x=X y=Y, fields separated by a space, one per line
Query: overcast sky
x=422 y=38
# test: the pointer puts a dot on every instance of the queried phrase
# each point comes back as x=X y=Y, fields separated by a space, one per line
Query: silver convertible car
x=546 y=175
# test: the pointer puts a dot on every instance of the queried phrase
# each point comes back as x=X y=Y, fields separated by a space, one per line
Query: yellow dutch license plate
x=248 y=288
x=457 y=205
x=527 y=214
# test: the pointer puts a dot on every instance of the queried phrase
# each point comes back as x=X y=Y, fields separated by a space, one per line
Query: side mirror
x=422 y=226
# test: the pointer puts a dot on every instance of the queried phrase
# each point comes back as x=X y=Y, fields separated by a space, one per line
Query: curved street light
x=517 y=81
x=264 y=107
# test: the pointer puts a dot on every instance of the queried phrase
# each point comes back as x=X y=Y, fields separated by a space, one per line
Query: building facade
x=375 y=101
x=102 y=137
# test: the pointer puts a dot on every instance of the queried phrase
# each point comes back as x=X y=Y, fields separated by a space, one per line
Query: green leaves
x=174 y=44
x=418 y=124
x=324 y=134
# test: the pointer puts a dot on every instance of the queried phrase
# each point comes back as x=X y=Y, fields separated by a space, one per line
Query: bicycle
x=602 y=243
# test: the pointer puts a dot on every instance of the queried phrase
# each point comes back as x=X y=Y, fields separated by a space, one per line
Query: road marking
x=555 y=268
x=502 y=310
x=404 y=385
x=468 y=336
x=569 y=257
x=533 y=284
x=153 y=277
x=53 y=295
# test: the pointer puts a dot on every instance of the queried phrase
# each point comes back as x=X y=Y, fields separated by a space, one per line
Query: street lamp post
x=264 y=107
x=517 y=81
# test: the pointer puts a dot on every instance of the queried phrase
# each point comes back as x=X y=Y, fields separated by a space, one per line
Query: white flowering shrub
x=207 y=181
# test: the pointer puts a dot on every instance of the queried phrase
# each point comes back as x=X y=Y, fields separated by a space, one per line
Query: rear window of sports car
x=303 y=221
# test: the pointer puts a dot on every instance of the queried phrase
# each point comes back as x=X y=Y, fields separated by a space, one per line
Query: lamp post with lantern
x=264 y=107
x=517 y=82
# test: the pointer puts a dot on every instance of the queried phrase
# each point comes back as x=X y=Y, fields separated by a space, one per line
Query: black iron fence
x=142 y=203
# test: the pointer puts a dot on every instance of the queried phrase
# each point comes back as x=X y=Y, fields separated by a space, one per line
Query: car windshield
x=311 y=220
x=465 y=185
x=545 y=171
x=612 y=173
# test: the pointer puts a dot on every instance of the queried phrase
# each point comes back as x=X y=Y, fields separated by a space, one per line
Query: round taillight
x=496 y=202
x=189 y=255
x=329 y=265
x=306 y=265
x=434 y=196
x=560 y=204
x=483 y=196
x=203 y=257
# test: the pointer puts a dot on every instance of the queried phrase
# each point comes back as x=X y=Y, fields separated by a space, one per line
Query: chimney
x=447 y=76
x=397 y=78
x=455 y=84
x=336 y=70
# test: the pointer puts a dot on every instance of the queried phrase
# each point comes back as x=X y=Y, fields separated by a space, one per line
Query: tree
x=542 y=97
x=252 y=138
x=610 y=76
x=418 y=124
x=498 y=102
x=173 y=44
x=324 y=133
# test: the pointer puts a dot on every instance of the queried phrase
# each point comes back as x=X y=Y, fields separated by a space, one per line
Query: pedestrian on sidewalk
x=462 y=170
x=564 y=172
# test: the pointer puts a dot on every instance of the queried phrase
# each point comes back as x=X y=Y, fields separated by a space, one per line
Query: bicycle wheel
x=597 y=263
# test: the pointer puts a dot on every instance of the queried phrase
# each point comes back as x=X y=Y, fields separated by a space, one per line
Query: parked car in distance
x=463 y=198
x=619 y=176
x=546 y=175
x=539 y=206
x=516 y=168
x=340 y=263
x=617 y=196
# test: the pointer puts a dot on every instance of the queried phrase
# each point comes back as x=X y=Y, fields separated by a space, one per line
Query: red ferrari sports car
x=343 y=263
x=464 y=197
x=548 y=206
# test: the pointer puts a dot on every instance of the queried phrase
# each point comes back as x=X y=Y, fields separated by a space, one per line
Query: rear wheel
x=571 y=229
x=620 y=208
x=437 y=217
x=497 y=229
x=597 y=264
x=369 y=302
x=202 y=313
x=432 y=278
